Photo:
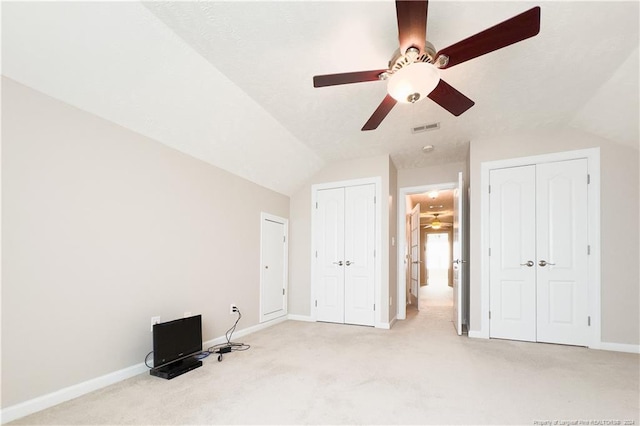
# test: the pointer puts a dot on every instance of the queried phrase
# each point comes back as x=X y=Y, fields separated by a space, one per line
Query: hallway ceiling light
x=433 y=194
x=436 y=224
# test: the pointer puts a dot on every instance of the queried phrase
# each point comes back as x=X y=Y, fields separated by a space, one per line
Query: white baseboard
x=384 y=325
x=477 y=335
x=295 y=317
x=65 y=394
x=619 y=347
x=392 y=322
x=604 y=346
x=244 y=331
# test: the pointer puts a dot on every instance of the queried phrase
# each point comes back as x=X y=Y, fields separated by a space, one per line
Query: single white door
x=329 y=224
x=359 y=246
x=512 y=242
x=273 y=279
x=414 y=223
x=562 y=262
x=458 y=260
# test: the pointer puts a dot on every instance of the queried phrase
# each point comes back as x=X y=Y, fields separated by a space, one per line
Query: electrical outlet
x=233 y=309
x=154 y=320
x=187 y=314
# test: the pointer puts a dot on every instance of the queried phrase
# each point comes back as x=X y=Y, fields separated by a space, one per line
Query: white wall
x=620 y=229
x=431 y=175
x=300 y=229
x=104 y=228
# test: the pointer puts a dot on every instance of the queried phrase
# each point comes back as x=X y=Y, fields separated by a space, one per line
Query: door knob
x=529 y=263
x=348 y=262
x=458 y=261
x=339 y=263
x=544 y=263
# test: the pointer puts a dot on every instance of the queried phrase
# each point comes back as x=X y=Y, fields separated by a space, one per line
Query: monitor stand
x=177 y=368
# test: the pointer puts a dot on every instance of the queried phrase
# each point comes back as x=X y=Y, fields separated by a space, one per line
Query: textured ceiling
x=271 y=50
x=231 y=82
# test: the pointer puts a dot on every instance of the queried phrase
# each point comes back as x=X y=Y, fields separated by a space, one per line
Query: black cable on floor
x=228 y=335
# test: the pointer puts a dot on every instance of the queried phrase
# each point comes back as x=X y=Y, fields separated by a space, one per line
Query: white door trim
x=285 y=222
x=458 y=243
x=593 y=157
x=402 y=238
x=377 y=181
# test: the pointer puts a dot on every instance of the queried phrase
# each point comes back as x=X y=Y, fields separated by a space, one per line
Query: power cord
x=202 y=355
x=230 y=346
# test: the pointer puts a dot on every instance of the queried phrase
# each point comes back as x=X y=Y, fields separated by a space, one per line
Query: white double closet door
x=539 y=253
x=345 y=262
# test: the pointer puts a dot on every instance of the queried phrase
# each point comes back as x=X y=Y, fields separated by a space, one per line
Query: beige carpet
x=420 y=372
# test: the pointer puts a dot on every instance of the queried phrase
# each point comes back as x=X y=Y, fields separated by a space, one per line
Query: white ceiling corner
x=613 y=112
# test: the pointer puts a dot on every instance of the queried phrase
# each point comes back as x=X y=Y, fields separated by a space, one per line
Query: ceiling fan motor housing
x=412 y=55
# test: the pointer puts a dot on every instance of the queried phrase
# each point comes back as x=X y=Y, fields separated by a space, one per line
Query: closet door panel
x=562 y=235
x=359 y=254
x=512 y=242
x=330 y=255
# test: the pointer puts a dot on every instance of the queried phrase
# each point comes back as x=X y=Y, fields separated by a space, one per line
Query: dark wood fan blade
x=346 y=78
x=412 y=24
x=450 y=99
x=511 y=31
x=380 y=113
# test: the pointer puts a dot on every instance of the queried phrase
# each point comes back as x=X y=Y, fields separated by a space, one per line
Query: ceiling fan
x=414 y=69
x=436 y=224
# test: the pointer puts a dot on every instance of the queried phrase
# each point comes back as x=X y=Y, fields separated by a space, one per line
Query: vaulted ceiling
x=231 y=82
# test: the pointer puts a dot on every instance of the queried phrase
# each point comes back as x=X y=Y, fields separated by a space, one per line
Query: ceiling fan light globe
x=413 y=82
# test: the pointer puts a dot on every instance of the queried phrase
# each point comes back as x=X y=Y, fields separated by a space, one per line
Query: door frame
x=457 y=252
x=593 y=190
x=377 y=182
x=402 y=238
x=285 y=222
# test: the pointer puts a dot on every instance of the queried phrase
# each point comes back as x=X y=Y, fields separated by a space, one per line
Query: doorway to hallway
x=429 y=248
x=433 y=209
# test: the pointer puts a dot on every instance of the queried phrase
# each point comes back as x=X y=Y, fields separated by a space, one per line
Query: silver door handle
x=544 y=263
x=417 y=261
x=458 y=261
x=339 y=263
x=348 y=262
x=529 y=263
